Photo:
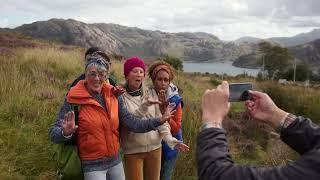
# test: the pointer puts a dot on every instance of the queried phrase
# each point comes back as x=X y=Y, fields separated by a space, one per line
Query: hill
x=130 y=41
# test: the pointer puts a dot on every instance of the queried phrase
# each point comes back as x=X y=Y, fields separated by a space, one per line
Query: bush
x=175 y=62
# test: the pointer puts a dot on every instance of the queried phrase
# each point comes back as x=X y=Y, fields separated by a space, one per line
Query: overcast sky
x=227 y=19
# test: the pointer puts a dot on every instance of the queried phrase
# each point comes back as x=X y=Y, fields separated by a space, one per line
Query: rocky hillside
x=134 y=41
x=308 y=53
x=298 y=39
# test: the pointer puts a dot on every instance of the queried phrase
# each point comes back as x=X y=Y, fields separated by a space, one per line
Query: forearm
x=134 y=123
x=302 y=135
x=55 y=131
x=212 y=153
x=166 y=135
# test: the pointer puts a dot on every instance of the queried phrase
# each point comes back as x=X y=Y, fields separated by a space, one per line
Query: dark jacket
x=215 y=163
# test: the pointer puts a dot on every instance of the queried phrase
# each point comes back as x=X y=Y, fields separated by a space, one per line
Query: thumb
x=75 y=128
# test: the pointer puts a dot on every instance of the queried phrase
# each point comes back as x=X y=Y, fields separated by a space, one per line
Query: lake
x=218 y=68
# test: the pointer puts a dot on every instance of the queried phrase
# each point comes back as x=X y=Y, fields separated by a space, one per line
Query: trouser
x=114 y=173
x=143 y=166
x=167 y=166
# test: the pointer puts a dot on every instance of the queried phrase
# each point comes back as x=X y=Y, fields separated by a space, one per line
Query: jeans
x=167 y=166
x=114 y=173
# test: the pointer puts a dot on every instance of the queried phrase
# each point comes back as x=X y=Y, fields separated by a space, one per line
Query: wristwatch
x=286 y=122
x=207 y=125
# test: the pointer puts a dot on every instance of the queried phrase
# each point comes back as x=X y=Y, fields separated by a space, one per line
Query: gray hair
x=98 y=63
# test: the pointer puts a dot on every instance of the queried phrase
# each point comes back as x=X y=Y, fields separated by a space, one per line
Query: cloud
x=4 y=22
x=228 y=19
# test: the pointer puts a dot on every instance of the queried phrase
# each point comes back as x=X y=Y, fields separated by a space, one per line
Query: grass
x=34 y=82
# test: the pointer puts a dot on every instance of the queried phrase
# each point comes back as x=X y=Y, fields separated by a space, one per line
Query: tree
x=175 y=62
x=303 y=73
x=276 y=59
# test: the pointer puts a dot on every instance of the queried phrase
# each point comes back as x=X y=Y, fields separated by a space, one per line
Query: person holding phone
x=213 y=156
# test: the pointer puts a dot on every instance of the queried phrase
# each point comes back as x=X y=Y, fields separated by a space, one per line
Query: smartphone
x=239 y=92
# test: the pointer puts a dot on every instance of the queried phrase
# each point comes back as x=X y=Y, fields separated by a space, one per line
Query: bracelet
x=67 y=137
x=207 y=125
x=286 y=122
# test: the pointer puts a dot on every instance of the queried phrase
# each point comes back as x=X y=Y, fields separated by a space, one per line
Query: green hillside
x=35 y=79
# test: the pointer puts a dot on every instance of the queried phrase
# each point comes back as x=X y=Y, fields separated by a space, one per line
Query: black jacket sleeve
x=215 y=163
x=302 y=135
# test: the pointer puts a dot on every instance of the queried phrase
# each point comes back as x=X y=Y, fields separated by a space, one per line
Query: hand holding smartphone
x=239 y=91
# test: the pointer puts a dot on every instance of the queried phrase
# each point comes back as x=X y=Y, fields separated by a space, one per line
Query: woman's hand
x=118 y=90
x=182 y=147
x=68 y=124
x=168 y=114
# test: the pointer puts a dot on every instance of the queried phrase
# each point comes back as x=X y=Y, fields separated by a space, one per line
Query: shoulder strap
x=76 y=108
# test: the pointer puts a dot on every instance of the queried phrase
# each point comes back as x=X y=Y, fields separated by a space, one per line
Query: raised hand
x=168 y=113
x=262 y=108
x=68 y=124
x=182 y=147
x=118 y=90
x=215 y=105
x=163 y=100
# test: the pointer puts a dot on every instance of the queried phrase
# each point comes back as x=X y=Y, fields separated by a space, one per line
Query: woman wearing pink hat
x=142 y=151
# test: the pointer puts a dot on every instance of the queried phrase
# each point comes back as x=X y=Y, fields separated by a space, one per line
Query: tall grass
x=298 y=100
x=34 y=83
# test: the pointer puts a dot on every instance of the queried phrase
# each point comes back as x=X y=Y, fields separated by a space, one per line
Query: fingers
x=171 y=107
x=182 y=147
x=75 y=128
x=257 y=94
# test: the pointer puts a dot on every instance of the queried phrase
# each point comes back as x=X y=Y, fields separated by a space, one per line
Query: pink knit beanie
x=131 y=63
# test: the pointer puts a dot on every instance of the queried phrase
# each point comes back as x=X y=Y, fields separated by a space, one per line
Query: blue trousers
x=167 y=166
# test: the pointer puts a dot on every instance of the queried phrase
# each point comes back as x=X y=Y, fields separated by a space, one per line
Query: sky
x=226 y=19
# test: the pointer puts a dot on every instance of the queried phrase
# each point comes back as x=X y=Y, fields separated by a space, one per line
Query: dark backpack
x=66 y=156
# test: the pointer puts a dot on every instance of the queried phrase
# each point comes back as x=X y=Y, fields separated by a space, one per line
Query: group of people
x=145 y=123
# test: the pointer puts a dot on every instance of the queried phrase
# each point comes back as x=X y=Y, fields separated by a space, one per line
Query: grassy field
x=34 y=82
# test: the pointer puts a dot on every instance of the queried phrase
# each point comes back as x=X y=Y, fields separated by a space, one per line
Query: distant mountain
x=298 y=39
x=69 y=32
x=198 y=46
x=284 y=41
x=308 y=53
x=130 y=41
x=248 y=39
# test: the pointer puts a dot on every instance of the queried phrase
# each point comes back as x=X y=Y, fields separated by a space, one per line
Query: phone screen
x=239 y=91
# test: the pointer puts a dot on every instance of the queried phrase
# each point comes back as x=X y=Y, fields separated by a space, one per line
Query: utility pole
x=263 y=74
x=294 y=70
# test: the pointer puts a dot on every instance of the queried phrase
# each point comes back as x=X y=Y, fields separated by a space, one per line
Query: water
x=218 y=68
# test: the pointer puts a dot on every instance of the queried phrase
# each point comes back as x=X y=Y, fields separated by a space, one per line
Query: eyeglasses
x=100 y=75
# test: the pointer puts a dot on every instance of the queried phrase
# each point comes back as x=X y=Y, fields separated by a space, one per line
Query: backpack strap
x=73 y=140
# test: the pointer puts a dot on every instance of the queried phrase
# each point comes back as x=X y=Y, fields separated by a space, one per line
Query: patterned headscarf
x=158 y=66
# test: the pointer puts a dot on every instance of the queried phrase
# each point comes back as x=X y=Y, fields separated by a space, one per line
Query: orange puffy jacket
x=98 y=134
